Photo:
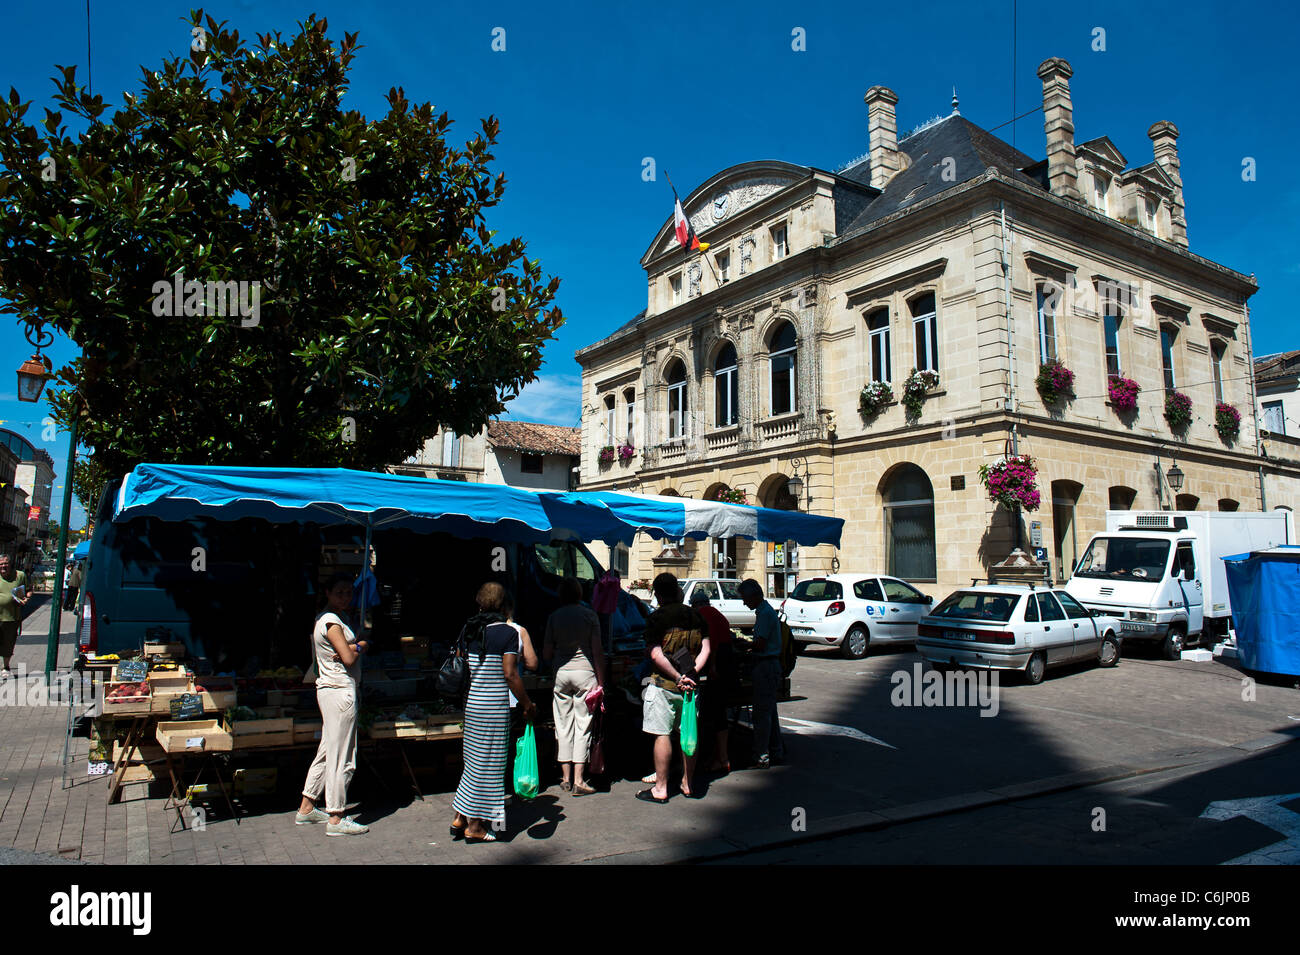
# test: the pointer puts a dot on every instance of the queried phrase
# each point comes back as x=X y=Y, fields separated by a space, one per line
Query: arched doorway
x=781 y=561
x=1065 y=501
x=723 y=551
x=908 y=499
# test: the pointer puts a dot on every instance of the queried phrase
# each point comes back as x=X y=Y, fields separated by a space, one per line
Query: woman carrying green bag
x=527 y=781
x=492 y=651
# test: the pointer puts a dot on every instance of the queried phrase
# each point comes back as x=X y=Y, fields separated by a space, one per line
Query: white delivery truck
x=1161 y=572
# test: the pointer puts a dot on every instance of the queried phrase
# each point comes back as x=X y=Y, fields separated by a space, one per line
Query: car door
x=1087 y=639
x=1190 y=589
x=904 y=607
x=732 y=606
x=870 y=605
x=1056 y=628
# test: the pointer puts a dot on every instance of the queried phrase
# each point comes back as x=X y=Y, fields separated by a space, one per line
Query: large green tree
x=386 y=308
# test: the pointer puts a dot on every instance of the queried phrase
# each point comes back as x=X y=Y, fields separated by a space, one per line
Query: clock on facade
x=720 y=207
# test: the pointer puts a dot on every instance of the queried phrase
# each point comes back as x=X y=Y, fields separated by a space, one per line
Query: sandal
x=583 y=789
x=647 y=795
x=487 y=836
x=566 y=786
x=649 y=779
x=457 y=832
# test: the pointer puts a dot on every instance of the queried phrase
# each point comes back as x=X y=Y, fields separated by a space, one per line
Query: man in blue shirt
x=767 y=675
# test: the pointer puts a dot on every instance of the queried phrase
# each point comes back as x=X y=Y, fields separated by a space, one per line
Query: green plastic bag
x=527 y=782
x=690 y=730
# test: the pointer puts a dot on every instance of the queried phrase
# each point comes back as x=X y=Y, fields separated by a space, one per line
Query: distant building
x=34 y=475
x=1277 y=392
x=516 y=453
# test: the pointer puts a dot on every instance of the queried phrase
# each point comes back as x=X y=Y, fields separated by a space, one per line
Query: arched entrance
x=781 y=562
x=723 y=551
x=908 y=498
x=1065 y=500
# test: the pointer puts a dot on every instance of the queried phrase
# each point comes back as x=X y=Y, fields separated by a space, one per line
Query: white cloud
x=551 y=399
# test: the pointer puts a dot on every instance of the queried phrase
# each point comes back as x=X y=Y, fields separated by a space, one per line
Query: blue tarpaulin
x=1264 y=587
x=82 y=551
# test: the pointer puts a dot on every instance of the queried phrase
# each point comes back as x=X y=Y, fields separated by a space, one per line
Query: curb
x=707 y=850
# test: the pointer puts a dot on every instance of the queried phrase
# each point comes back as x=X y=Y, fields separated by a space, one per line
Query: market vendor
x=13 y=594
x=338 y=671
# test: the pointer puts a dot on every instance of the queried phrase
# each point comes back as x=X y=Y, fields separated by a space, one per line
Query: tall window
x=611 y=420
x=909 y=525
x=450 y=449
x=630 y=397
x=1110 y=323
x=723 y=260
x=926 y=332
x=1167 y=355
x=1047 y=300
x=675 y=283
x=726 y=388
x=1100 y=185
x=1274 y=418
x=723 y=556
x=677 y=409
x=778 y=243
x=1217 y=351
x=783 y=370
x=878 y=331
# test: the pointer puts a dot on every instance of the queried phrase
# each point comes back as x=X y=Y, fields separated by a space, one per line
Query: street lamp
x=35 y=371
x=1175 y=478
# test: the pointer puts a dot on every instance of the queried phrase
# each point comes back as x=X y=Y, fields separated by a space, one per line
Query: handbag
x=453 y=675
x=596 y=758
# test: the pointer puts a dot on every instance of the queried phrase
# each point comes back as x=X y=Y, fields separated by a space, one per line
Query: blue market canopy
x=496 y=511
x=82 y=551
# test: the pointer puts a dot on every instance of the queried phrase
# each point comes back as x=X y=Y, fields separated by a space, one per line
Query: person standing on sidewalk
x=721 y=685
x=338 y=671
x=13 y=594
x=573 y=646
x=73 y=587
x=768 y=747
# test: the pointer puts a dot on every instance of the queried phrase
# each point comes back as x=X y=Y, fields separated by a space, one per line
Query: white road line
x=1115 y=719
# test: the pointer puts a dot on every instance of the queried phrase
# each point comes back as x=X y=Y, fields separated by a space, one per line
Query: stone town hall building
x=949 y=251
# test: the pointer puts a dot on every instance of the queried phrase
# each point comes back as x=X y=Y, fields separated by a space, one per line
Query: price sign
x=132 y=671
x=186 y=706
x=1036 y=534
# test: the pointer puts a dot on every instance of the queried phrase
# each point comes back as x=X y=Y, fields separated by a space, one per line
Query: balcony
x=782 y=428
x=723 y=440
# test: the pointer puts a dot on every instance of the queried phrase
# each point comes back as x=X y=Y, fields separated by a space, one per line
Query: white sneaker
x=346 y=828
x=316 y=815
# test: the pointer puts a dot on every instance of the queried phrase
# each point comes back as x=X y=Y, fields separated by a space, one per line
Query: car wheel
x=1036 y=669
x=855 y=643
x=1173 y=645
x=1108 y=655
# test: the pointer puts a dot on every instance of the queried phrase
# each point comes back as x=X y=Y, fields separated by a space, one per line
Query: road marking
x=810 y=728
x=1267 y=811
x=1114 y=719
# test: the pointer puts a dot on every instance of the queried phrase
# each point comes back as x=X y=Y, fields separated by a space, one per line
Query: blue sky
x=586 y=92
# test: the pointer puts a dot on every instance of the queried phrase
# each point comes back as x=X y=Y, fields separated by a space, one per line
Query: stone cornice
x=913 y=276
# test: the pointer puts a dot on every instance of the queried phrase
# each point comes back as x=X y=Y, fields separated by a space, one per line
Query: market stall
x=270 y=710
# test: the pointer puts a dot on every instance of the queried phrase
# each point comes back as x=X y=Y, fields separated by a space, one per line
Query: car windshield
x=978 y=605
x=1125 y=558
x=810 y=590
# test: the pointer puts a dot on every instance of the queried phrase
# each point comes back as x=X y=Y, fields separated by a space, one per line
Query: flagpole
x=709 y=262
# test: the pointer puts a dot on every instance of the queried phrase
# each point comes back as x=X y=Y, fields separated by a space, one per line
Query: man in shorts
x=13 y=594
x=677 y=641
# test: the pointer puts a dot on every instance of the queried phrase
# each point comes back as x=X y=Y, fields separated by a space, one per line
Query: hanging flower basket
x=1055 y=382
x=626 y=452
x=1012 y=482
x=607 y=454
x=1123 y=394
x=873 y=399
x=1178 y=410
x=915 y=389
x=1227 y=421
x=731 y=496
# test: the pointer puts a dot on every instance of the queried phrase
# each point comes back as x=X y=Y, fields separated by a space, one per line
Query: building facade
x=1277 y=388
x=948 y=253
x=517 y=453
x=33 y=474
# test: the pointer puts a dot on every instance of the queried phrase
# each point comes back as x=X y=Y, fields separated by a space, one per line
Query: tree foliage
x=387 y=308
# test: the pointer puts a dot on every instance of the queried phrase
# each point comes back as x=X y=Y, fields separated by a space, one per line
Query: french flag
x=685 y=234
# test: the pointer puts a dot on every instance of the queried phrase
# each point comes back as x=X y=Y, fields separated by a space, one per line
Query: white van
x=1162 y=572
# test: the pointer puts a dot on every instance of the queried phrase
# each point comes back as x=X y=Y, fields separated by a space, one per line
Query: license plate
x=800 y=630
x=957 y=635
x=1125 y=625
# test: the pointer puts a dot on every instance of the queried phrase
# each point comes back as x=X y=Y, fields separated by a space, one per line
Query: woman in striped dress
x=493 y=653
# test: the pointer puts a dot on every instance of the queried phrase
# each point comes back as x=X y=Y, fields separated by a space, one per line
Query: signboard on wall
x=1036 y=536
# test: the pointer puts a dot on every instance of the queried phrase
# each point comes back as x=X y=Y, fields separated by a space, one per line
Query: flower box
x=607 y=454
x=873 y=399
x=918 y=385
x=1178 y=410
x=1055 y=382
x=1227 y=421
x=1013 y=482
x=1123 y=394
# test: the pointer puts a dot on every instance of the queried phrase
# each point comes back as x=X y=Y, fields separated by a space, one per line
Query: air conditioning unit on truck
x=1161 y=572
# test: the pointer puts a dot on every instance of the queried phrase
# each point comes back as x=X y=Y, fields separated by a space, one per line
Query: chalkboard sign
x=132 y=671
x=186 y=706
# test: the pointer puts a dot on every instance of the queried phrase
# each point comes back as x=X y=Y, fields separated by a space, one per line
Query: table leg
x=123 y=758
x=415 y=784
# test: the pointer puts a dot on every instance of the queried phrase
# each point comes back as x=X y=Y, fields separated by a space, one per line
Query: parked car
x=1016 y=627
x=724 y=596
x=42 y=576
x=853 y=611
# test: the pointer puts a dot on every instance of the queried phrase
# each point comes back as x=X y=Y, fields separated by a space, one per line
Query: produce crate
x=169 y=680
x=162 y=699
x=193 y=736
x=307 y=731
x=218 y=701
x=255 y=734
x=173 y=651
x=412 y=729
x=137 y=705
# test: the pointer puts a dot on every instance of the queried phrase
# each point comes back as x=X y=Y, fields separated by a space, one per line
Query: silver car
x=1016 y=627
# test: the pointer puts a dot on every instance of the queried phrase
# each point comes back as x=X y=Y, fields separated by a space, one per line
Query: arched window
x=925 y=329
x=611 y=420
x=783 y=369
x=1228 y=504
x=1110 y=329
x=726 y=388
x=1186 y=502
x=909 y=524
x=1122 y=498
x=678 y=410
x=878 y=332
x=630 y=397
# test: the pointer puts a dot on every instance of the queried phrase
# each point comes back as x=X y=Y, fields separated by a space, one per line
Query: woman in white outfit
x=573 y=646
x=338 y=668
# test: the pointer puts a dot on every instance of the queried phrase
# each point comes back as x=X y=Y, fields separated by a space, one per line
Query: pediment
x=1103 y=149
x=723 y=197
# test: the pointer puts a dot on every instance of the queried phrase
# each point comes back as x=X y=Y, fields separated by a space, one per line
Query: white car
x=724 y=597
x=854 y=611
x=1016 y=627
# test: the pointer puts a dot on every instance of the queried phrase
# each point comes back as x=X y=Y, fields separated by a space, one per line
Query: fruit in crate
x=126 y=691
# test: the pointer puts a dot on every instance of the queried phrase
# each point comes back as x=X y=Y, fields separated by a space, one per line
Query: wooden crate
x=180 y=736
x=137 y=773
x=218 y=701
x=162 y=700
x=147 y=751
x=169 y=680
x=131 y=706
x=174 y=651
x=255 y=734
x=410 y=729
x=307 y=731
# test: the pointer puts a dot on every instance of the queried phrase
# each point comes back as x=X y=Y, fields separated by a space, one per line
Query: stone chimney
x=1058 y=123
x=1164 y=139
x=882 y=126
